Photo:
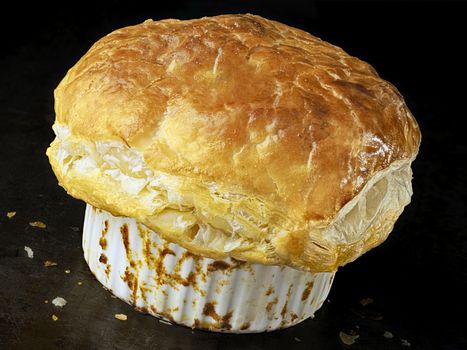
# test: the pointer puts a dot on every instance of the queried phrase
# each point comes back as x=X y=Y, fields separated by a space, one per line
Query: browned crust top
x=249 y=103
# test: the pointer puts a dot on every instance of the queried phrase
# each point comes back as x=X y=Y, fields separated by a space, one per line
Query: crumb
x=39 y=224
x=80 y=283
x=11 y=214
x=298 y=340
x=366 y=301
x=405 y=342
x=388 y=335
x=46 y=301
x=121 y=317
x=29 y=251
x=348 y=339
x=67 y=271
x=165 y=322
x=59 y=302
x=113 y=296
x=74 y=228
x=49 y=263
x=55 y=318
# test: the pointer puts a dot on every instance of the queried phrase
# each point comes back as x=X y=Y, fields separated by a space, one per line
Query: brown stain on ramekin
x=307 y=290
x=126 y=243
x=218 y=265
x=269 y=291
x=174 y=279
x=238 y=263
x=148 y=256
x=142 y=231
x=245 y=326
x=107 y=270
x=222 y=322
x=126 y=240
x=284 y=307
x=210 y=311
x=271 y=304
x=167 y=251
x=103 y=242
x=132 y=282
x=143 y=290
x=158 y=313
x=103 y=258
x=103 y=239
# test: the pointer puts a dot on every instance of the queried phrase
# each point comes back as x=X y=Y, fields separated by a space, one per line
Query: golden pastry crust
x=291 y=124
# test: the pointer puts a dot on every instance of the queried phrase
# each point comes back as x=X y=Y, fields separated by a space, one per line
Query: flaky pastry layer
x=211 y=220
x=236 y=135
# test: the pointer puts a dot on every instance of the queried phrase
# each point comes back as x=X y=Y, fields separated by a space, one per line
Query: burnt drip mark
x=245 y=326
x=238 y=263
x=126 y=240
x=284 y=308
x=167 y=251
x=103 y=239
x=103 y=259
x=143 y=290
x=270 y=305
x=226 y=268
x=306 y=292
x=223 y=322
x=103 y=243
x=142 y=231
x=130 y=277
x=108 y=270
x=174 y=279
x=131 y=280
x=126 y=243
x=148 y=257
x=158 y=313
x=219 y=265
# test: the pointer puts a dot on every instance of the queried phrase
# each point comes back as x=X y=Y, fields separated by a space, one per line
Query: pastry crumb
x=80 y=283
x=298 y=340
x=348 y=339
x=67 y=271
x=29 y=252
x=388 y=335
x=38 y=224
x=405 y=342
x=49 y=263
x=366 y=301
x=165 y=322
x=46 y=301
x=54 y=318
x=59 y=302
x=11 y=214
x=121 y=317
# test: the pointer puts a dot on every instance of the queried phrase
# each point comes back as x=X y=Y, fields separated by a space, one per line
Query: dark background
x=417 y=278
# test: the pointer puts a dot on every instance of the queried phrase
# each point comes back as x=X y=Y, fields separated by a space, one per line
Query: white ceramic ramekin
x=165 y=280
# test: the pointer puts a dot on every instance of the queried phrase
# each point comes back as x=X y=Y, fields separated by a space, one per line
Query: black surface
x=417 y=278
